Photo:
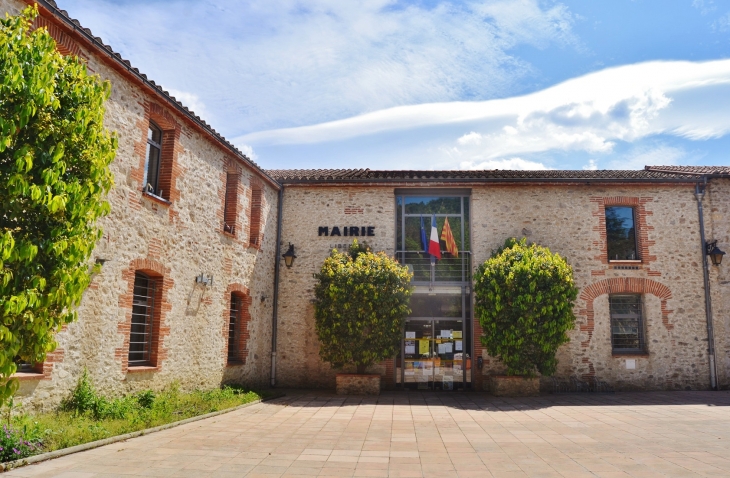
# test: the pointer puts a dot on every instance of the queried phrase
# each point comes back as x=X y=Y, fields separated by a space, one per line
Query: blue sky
x=429 y=84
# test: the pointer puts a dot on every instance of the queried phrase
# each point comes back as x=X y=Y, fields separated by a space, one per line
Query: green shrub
x=524 y=297
x=361 y=300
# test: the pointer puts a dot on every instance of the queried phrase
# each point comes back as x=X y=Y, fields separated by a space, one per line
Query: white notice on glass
x=458 y=345
x=410 y=349
x=445 y=334
x=446 y=348
x=410 y=335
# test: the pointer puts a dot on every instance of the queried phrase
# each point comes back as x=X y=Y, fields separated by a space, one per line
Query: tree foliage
x=361 y=301
x=54 y=171
x=524 y=297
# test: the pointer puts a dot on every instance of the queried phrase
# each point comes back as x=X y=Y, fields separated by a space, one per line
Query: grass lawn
x=86 y=416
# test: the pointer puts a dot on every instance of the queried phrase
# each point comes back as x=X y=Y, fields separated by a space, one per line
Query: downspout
x=277 y=263
x=700 y=189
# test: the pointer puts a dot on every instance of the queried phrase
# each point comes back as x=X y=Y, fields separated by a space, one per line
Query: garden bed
x=87 y=417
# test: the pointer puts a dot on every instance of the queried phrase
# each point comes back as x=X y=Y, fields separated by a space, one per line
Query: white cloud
x=591 y=166
x=193 y=102
x=704 y=6
x=511 y=163
x=270 y=63
x=591 y=113
x=642 y=155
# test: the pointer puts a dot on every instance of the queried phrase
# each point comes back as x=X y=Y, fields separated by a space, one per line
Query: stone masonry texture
x=569 y=220
x=174 y=242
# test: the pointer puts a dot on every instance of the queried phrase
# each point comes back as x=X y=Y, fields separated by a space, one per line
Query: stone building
x=188 y=248
x=188 y=290
x=641 y=321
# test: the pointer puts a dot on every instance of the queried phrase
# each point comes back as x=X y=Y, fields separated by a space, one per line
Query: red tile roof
x=496 y=175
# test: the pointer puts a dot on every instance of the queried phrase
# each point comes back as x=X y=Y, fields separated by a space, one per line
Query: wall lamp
x=205 y=280
x=714 y=252
x=289 y=256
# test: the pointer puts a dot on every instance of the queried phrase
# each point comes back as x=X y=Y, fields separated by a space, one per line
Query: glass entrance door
x=433 y=354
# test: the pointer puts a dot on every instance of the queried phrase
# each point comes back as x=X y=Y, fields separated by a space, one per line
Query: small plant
x=83 y=398
x=146 y=398
x=361 y=301
x=16 y=444
x=524 y=298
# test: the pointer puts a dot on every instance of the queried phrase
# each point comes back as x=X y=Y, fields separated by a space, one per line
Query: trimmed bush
x=524 y=297
x=361 y=302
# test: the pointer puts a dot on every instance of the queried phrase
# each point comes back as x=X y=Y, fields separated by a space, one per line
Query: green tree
x=524 y=297
x=54 y=171
x=361 y=301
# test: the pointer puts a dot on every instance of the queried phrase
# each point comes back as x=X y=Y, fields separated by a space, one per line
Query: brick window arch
x=236 y=318
x=153 y=277
x=622 y=285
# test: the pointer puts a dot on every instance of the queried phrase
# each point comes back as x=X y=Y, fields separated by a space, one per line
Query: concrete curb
x=108 y=441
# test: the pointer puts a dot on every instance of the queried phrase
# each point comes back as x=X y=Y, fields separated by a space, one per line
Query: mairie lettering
x=352 y=231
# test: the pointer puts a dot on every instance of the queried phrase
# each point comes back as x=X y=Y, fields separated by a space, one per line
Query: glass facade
x=436 y=348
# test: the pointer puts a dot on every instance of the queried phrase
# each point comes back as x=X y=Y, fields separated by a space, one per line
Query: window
x=627 y=327
x=27 y=367
x=621 y=233
x=143 y=307
x=234 y=326
x=152 y=161
x=230 y=209
x=256 y=207
x=415 y=212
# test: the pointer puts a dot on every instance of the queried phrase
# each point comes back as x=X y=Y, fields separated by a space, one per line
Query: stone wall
x=568 y=220
x=305 y=209
x=177 y=241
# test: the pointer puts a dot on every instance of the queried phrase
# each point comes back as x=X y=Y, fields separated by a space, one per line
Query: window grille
x=627 y=324
x=152 y=161
x=621 y=233
x=143 y=306
x=233 y=328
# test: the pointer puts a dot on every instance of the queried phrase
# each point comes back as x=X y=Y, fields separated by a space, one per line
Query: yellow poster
x=457 y=334
x=423 y=346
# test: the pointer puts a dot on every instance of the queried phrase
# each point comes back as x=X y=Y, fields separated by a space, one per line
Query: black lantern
x=715 y=253
x=289 y=255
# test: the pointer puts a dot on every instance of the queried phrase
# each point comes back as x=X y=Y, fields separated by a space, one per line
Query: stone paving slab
x=407 y=434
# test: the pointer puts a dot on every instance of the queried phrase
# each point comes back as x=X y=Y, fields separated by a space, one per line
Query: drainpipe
x=700 y=189
x=277 y=263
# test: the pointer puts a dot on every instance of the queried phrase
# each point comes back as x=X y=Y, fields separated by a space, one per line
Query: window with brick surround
x=256 y=206
x=230 y=209
x=143 y=317
x=621 y=233
x=627 y=324
x=27 y=367
x=234 y=329
x=153 y=160
x=256 y=209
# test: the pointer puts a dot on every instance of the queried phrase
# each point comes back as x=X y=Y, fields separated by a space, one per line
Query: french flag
x=434 y=247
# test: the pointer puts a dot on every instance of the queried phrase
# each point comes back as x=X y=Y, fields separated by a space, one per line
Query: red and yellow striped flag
x=448 y=238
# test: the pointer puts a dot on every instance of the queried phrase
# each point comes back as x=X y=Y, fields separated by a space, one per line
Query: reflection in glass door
x=433 y=355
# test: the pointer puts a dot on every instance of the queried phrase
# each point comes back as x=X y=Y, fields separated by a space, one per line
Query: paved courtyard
x=432 y=435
